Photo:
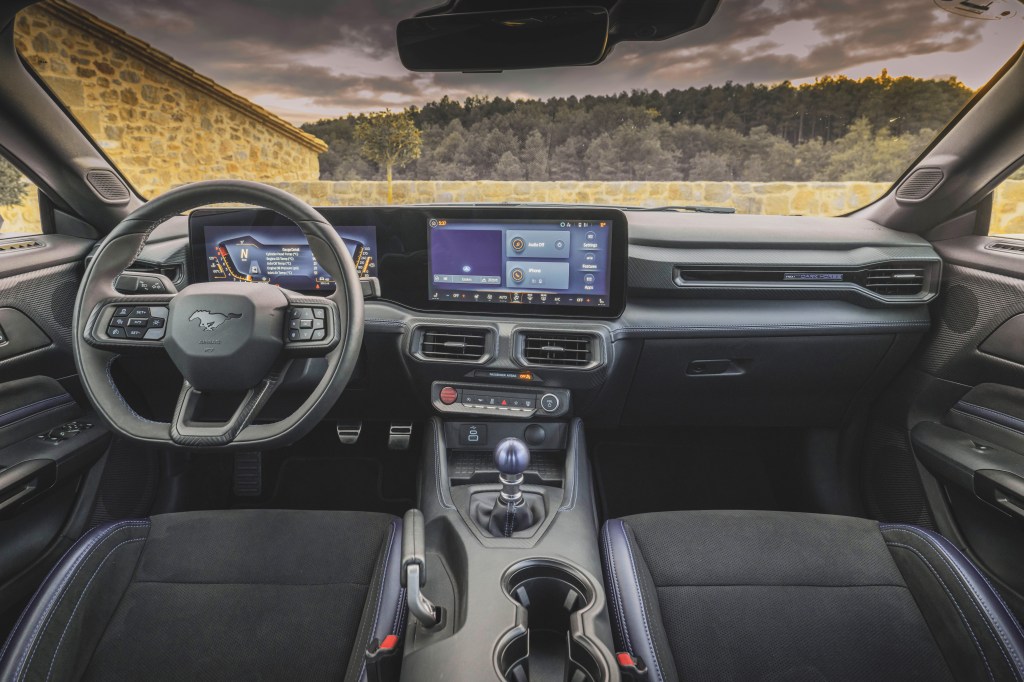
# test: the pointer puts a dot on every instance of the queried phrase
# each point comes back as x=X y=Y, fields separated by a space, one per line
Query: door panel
x=962 y=409
x=49 y=440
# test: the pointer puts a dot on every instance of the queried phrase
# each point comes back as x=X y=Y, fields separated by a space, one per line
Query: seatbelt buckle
x=632 y=669
x=382 y=660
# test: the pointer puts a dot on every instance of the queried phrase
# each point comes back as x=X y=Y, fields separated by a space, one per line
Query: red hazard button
x=449 y=395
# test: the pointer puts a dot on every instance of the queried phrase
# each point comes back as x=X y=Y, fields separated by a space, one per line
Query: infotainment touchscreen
x=552 y=262
x=280 y=255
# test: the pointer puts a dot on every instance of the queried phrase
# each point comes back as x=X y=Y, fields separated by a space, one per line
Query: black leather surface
x=992 y=412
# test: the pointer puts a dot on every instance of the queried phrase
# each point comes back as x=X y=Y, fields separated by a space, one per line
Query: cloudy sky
x=310 y=59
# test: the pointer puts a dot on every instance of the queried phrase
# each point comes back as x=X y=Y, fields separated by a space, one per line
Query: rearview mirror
x=504 y=39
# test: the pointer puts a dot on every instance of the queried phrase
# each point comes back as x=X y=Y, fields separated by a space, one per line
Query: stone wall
x=161 y=123
x=774 y=198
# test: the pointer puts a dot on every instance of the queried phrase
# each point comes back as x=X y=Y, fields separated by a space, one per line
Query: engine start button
x=449 y=395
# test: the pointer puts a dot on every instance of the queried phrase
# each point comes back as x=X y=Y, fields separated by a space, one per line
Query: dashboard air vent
x=454 y=344
x=1007 y=247
x=20 y=245
x=895 y=279
x=558 y=350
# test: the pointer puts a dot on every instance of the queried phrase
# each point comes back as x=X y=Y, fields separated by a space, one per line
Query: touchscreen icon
x=518 y=275
x=518 y=244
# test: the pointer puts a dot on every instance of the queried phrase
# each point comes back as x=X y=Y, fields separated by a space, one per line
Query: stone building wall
x=161 y=123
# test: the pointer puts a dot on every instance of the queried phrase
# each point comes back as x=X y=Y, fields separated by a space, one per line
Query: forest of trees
x=836 y=128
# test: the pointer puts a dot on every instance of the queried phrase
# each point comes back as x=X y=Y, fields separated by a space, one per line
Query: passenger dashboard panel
x=494 y=261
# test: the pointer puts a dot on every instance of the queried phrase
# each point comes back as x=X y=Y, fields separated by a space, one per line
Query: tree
x=508 y=167
x=390 y=140
x=535 y=156
x=12 y=185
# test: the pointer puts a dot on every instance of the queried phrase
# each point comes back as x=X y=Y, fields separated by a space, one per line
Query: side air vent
x=110 y=187
x=895 y=279
x=20 y=245
x=443 y=343
x=1007 y=247
x=552 y=349
x=920 y=184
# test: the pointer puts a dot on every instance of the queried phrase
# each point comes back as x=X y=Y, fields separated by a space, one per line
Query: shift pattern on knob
x=511 y=456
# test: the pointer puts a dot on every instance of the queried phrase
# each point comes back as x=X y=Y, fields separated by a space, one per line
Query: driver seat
x=216 y=595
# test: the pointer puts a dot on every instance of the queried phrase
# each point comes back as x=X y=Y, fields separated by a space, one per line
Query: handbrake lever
x=414 y=575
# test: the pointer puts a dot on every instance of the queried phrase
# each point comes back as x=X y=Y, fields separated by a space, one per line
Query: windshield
x=792 y=108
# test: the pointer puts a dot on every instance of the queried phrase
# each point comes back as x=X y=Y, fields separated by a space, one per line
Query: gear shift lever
x=511 y=512
x=511 y=457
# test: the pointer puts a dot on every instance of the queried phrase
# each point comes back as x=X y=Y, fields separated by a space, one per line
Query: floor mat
x=335 y=483
x=645 y=472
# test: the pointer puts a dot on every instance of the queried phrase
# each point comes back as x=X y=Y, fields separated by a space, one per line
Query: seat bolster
x=49 y=641
x=975 y=621
x=385 y=611
x=632 y=596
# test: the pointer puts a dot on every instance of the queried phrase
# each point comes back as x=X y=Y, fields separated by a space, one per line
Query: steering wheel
x=229 y=337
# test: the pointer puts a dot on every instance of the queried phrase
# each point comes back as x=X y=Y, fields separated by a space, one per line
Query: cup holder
x=546 y=645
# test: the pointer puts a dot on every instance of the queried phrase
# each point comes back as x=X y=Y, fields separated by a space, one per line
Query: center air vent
x=450 y=343
x=552 y=349
x=895 y=279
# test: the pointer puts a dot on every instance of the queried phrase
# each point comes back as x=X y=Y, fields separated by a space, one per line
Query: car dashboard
x=628 y=317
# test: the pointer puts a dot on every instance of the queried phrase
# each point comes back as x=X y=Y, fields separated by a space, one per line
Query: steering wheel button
x=154 y=334
x=157 y=322
x=122 y=311
x=319 y=334
x=119 y=322
x=138 y=322
x=319 y=313
x=140 y=312
x=318 y=324
x=115 y=332
x=294 y=335
x=136 y=333
x=305 y=324
x=158 y=312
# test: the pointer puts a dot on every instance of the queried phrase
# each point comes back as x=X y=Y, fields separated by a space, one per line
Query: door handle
x=1001 y=489
x=23 y=481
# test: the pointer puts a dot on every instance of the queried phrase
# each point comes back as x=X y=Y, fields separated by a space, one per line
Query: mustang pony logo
x=209 y=321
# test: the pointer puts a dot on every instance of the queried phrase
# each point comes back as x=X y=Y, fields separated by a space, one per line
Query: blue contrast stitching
x=976 y=600
x=617 y=603
x=654 y=664
x=949 y=594
x=90 y=547
x=61 y=400
x=78 y=603
x=989 y=410
x=380 y=596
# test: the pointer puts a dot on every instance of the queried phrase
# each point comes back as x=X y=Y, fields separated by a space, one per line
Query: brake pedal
x=248 y=474
x=399 y=435
x=348 y=432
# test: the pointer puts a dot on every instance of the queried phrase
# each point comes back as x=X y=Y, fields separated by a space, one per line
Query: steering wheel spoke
x=311 y=326
x=188 y=431
x=129 y=324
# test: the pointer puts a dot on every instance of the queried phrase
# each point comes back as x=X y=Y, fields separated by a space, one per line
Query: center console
x=511 y=561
